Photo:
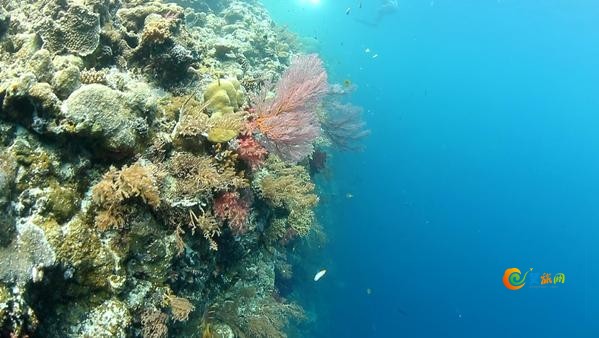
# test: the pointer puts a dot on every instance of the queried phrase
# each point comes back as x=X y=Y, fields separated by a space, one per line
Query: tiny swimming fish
x=375 y=56
x=319 y=274
x=367 y=50
x=347 y=10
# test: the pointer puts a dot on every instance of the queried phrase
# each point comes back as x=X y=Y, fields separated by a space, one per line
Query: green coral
x=40 y=64
x=78 y=246
x=220 y=135
x=63 y=201
x=223 y=98
x=66 y=81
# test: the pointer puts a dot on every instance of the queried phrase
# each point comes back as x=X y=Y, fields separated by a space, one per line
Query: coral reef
x=141 y=192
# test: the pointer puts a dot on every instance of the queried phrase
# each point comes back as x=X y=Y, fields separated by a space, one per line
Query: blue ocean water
x=484 y=156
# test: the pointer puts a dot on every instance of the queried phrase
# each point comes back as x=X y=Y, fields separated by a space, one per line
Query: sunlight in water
x=310 y=2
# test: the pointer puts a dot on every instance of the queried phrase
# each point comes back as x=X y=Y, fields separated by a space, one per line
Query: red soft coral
x=233 y=209
x=252 y=152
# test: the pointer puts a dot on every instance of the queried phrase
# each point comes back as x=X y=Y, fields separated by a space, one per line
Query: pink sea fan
x=344 y=126
x=249 y=150
x=230 y=207
x=288 y=122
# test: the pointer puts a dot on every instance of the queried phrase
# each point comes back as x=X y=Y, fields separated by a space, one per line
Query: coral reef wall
x=137 y=196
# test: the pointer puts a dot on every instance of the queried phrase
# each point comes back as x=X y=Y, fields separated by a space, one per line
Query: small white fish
x=347 y=10
x=367 y=50
x=319 y=274
x=375 y=56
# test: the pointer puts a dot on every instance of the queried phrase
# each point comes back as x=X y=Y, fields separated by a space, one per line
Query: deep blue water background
x=484 y=155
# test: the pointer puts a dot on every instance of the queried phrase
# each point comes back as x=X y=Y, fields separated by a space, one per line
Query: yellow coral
x=224 y=128
x=156 y=31
x=225 y=95
x=220 y=135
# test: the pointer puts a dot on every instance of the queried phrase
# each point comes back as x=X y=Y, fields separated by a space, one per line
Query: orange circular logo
x=513 y=279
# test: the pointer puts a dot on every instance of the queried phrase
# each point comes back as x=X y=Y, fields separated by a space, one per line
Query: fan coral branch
x=288 y=121
x=344 y=126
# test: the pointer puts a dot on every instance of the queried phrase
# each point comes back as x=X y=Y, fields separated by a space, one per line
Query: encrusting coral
x=142 y=191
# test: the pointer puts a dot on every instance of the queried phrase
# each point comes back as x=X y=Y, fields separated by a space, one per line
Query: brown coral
x=180 y=307
x=118 y=186
x=289 y=187
x=208 y=225
x=153 y=324
x=89 y=76
x=201 y=174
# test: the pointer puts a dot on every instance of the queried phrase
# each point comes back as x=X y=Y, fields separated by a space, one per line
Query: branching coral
x=193 y=123
x=119 y=186
x=255 y=317
x=208 y=225
x=153 y=324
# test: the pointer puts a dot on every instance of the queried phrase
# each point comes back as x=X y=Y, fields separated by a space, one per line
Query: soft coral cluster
x=230 y=207
x=250 y=151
